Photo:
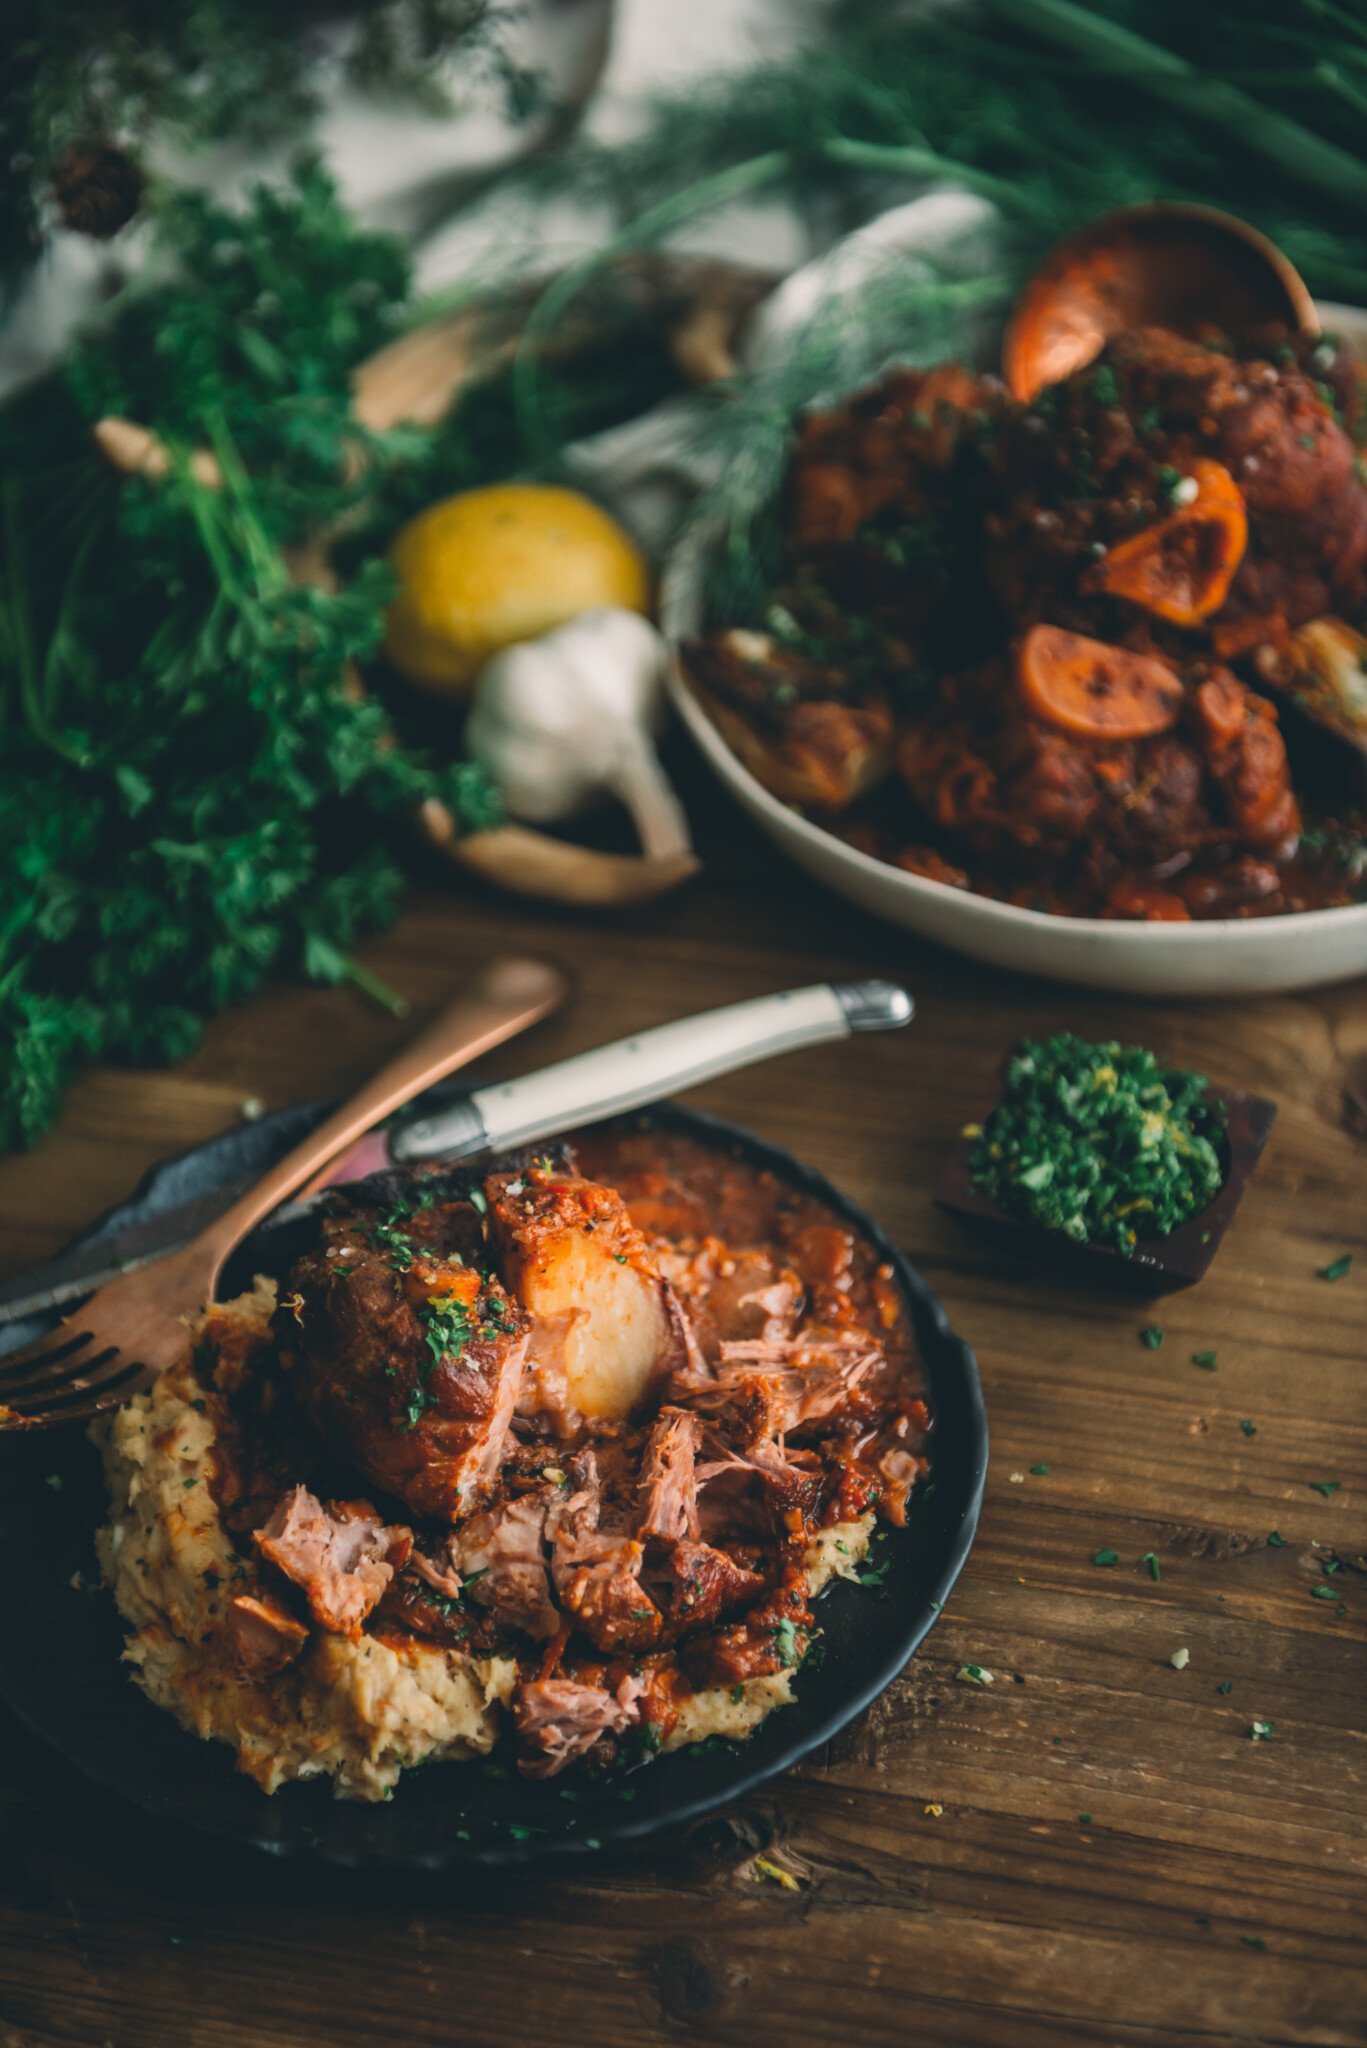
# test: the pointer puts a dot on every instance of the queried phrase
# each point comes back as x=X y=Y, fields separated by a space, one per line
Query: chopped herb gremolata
x=1099 y=1142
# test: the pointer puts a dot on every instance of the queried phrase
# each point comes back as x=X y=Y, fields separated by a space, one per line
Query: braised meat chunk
x=342 y=1556
x=792 y=720
x=406 y=1352
x=1175 y=480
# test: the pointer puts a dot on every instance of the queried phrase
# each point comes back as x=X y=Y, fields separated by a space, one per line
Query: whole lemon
x=489 y=567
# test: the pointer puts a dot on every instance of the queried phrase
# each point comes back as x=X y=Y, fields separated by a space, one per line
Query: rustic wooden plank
x=1005 y=1921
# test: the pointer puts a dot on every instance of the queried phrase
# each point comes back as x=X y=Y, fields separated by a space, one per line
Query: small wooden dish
x=1157 y=1265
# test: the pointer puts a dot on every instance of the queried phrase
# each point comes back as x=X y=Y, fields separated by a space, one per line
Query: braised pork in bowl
x=554 y=1456
x=1075 y=686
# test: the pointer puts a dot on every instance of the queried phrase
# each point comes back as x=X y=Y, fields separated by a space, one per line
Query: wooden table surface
x=1090 y=1850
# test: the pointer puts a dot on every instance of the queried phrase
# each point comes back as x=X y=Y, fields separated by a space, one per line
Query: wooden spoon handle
x=506 y=998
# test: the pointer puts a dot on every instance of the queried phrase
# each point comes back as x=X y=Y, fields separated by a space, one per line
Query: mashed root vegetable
x=359 y=1712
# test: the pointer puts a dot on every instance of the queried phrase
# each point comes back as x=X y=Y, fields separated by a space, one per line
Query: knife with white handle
x=639 y=1070
x=605 y=1082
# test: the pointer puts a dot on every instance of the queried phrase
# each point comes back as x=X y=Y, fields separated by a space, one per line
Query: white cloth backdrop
x=391 y=161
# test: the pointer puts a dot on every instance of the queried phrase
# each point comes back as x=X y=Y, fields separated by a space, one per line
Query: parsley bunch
x=1099 y=1142
x=190 y=797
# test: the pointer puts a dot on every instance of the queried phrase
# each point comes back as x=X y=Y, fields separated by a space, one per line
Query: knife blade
x=607 y=1081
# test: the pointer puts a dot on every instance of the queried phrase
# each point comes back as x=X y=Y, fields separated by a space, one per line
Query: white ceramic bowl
x=1215 y=957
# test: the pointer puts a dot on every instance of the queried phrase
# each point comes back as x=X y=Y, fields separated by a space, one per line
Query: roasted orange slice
x=1181 y=569
x=1099 y=692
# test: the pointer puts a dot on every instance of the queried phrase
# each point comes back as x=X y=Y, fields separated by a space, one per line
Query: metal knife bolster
x=635 y=1071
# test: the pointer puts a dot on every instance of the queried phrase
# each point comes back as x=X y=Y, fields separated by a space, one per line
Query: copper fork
x=134 y=1327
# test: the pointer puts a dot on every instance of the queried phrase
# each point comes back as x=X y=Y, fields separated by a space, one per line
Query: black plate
x=62 y=1676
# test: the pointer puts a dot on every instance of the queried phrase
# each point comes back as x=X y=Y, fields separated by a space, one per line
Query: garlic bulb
x=562 y=722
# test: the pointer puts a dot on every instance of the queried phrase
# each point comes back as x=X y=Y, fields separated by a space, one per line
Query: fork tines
x=64 y=1374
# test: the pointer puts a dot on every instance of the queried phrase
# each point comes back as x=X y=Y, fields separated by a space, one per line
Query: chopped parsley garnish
x=1039 y=1470
x=1275 y=1539
x=1099 y=1143
x=1323 y=1593
x=1328 y=1487
x=1086 y=1819
x=737 y=1695
x=1151 y=1336
x=1336 y=1268
x=874 y=1577
x=396 y=1242
x=1225 y=1686
x=1150 y=1558
x=786 y=1647
x=1205 y=1359
x=1107 y=1557
x=973 y=1674
x=1255 y=1940
x=448 y=1326
x=1105 y=389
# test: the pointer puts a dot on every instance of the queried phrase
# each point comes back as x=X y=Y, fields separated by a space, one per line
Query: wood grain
x=947 y=1887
